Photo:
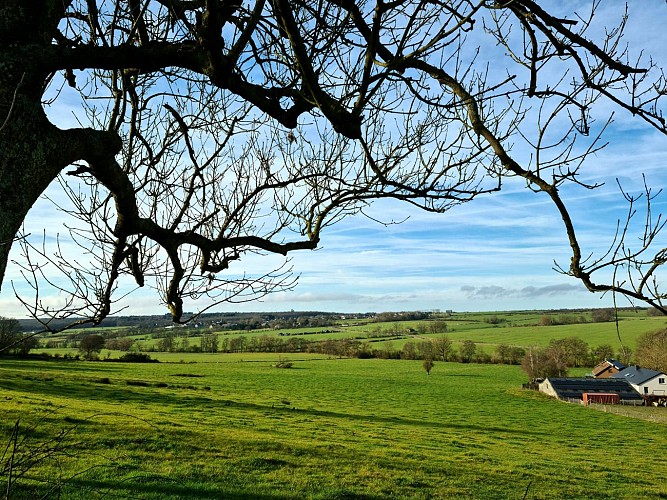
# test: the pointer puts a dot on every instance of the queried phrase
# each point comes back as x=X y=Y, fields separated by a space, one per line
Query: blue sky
x=495 y=253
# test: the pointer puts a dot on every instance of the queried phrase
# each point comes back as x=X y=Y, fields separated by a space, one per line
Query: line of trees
x=398 y=329
x=440 y=348
x=597 y=316
x=555 y=358
x=385 y=317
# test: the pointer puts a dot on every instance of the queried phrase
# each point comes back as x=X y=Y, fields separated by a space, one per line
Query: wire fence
x=648 y=413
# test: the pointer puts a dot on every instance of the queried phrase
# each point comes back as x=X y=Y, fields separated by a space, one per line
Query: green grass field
x=327 y=428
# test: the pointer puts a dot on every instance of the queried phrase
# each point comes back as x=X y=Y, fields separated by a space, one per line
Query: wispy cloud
x=528 y=292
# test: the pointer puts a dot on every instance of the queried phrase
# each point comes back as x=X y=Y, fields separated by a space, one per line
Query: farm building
x=605 y=398
x=646 y=382
x=614 y=390
x=607 y=368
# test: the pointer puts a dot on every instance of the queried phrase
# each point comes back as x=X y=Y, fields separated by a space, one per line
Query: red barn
x=605 y=398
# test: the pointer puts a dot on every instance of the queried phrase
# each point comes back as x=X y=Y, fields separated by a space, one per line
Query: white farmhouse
x=646 y=382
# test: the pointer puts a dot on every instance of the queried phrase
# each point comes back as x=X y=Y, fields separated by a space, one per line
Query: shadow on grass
x=69 y=366
x=179 y=397
x=153 y=488
x=167 y=488
x=416 y=423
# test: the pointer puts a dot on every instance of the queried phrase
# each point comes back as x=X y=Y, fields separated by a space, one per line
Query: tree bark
x=27 y=164
x=33 y=151
x=26 y=137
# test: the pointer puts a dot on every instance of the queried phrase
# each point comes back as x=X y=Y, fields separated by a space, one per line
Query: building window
x=661 y=381
x=645 y=390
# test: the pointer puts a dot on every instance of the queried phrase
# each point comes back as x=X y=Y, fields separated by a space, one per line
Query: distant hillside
x=232 y=320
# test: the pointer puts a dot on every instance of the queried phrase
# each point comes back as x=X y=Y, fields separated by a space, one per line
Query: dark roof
x=615 y=363
x=636 y=374
x=575 y=387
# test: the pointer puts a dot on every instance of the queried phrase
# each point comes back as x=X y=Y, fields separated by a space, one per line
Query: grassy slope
x=326 y=429
x=488 y=336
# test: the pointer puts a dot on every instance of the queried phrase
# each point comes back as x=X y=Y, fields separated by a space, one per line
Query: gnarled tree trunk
x=29 y=145
x=33 y=151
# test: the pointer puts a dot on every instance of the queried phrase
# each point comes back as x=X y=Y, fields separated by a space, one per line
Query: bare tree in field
x=443 y=347
x=467 y=351
x=210 y=130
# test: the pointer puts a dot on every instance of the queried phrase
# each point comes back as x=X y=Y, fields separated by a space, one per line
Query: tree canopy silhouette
x=209 y=130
